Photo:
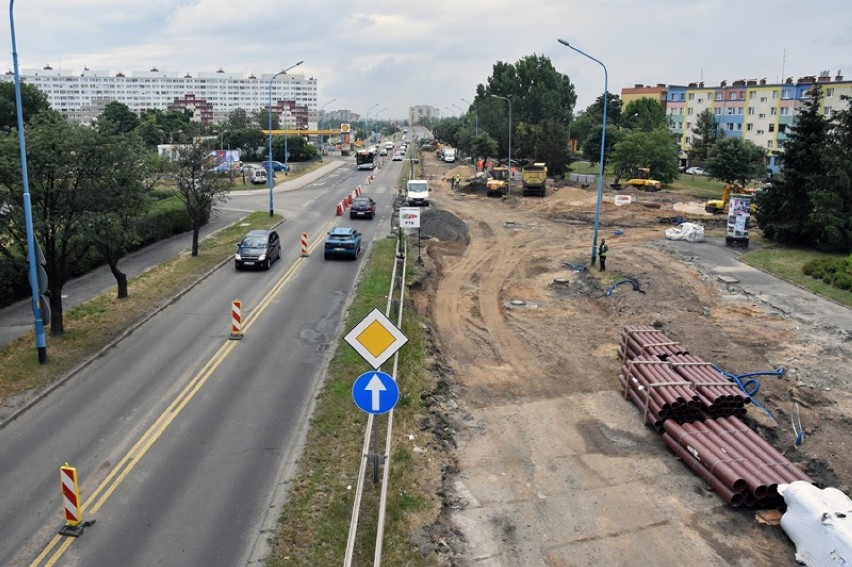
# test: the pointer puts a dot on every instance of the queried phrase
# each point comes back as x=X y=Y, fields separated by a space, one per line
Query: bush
x=836 y=272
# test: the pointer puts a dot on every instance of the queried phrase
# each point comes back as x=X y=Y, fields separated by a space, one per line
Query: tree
x=200 y=189
x=734 y=160
x=704 y=136
x=656 y=150
x=239 y=119
x=120 y=114
x=123 y=197
x=484 y=145
x=552 y=147
x=785 y=207
x=63 y=159
x=831 y=218
x=644 y=114
x=33 y=102
x=261 y=118
x=588 y=128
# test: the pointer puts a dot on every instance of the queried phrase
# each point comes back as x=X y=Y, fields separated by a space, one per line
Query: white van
x=449 y=155
x=257 y=175
x=417 y=193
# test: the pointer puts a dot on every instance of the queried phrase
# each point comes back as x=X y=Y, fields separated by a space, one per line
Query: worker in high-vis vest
x=602 y=250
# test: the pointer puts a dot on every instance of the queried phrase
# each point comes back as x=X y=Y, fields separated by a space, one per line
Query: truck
x=365 y=159
x=534 y=179
x=449 y=154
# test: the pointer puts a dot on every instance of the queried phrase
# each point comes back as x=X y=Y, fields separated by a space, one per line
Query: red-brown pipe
x=735 y=499
x=730 y=472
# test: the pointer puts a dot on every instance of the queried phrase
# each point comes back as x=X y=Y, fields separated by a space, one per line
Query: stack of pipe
x=660 y=392
x=643 y=339
x=742 y=467
x=717 y=394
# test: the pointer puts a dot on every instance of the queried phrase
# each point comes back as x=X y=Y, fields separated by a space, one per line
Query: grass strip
x=314 y=523
x=786 y=263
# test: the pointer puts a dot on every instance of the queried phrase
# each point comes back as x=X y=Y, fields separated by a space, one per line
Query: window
x=782 y=128
x=691 y=96
x=785 y=111
x=718 y=96
x=751 y=95
x=750 y=127
x=769 y=143
x=763 y=99
x=829 y=92
x=774 y=95
x=761 y=116
x=760 y=132
x=690 y=111
x=731 y=127
x=751 y=111
x=739 y=126
x=689 y=125
x=688 y=140
x=827 y=111
x=772 y=127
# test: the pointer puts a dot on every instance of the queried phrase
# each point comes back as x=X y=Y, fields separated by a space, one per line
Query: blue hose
x=751 y=386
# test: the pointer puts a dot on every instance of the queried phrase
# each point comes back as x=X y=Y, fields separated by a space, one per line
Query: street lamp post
x=376 y=125
x=475 y=117
x=367 y=120
x=319 y=126
x=603 y=140
x=38 y=317
x=269 y=180
x=509 y=165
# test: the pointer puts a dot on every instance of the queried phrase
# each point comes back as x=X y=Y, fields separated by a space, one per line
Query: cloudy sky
x=400 y=53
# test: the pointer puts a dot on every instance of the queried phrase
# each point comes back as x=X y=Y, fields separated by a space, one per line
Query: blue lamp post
x=509 y=165
x=269 y=180
x=41 y=340
x=367 y=121
x=376 y=125
x=320 y=138
x=603 y=140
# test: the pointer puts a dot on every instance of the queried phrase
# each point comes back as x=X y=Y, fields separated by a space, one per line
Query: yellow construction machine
x=717 y=206
x=643 y=180
x=498 y=183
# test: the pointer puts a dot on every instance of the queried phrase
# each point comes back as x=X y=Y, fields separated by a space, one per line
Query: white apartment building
x=416 y=114
x=211 y=95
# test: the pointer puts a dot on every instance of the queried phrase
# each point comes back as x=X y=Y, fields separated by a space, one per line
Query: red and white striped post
x=304 y=245
x=236 y=320
x=70 y=495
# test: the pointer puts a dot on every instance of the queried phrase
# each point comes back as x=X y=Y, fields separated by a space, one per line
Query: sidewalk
x=17 y=319
x=793 y=301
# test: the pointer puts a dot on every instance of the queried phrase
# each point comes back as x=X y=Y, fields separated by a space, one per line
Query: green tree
x=33 y=102
x=200 y=189
x=119 y=114
x=63 y=160
x=261 y=118
x=831 y=217
x=588 y=128
x=704 y=136
x=734 y=160
x=484 y=146
x=656 y=150
x=239 y=119
x=123 y=189
x=644 y=114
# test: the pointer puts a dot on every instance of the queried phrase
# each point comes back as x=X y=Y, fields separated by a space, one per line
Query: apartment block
x=211 y=96
x=750 y=109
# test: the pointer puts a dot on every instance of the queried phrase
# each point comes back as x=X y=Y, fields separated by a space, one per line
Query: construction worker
x=456 y=183
x=602 y=250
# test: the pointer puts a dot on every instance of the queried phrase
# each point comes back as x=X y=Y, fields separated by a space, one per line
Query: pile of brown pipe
x=695 y=407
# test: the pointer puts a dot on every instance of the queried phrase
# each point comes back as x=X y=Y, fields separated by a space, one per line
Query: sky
x=398 y=53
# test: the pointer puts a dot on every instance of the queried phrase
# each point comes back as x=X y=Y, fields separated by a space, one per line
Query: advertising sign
x=409 y=217
x=739 y=213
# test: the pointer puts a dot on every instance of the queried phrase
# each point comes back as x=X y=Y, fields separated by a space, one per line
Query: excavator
x=718 y=206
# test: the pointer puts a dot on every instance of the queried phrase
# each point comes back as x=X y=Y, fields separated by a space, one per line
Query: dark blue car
x=342 y=242
x=276 y=166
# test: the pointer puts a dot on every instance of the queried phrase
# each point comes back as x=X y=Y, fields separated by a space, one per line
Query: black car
x=258 y=248
x=362 y=207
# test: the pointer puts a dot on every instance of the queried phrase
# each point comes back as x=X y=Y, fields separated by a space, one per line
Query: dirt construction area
x=550 y=464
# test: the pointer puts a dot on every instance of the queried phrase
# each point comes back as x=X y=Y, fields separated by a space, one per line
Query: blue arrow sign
x=375 y=392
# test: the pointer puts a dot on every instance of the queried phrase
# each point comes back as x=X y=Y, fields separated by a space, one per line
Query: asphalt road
x=184 y=440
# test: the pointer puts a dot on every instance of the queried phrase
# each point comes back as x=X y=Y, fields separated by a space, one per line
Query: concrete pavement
x=17 y=319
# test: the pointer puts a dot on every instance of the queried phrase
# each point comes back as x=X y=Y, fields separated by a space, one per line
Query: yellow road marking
x=141 y=447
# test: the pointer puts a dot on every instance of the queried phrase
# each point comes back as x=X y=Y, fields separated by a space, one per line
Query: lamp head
x=563 y=42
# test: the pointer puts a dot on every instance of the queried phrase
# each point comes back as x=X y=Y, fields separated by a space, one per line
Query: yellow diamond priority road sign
x=375 y=338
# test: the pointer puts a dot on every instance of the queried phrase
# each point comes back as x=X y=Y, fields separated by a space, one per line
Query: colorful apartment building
x=749 y=109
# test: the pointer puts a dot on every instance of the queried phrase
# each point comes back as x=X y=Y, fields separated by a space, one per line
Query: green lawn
x=693 y=185
x=787 y=263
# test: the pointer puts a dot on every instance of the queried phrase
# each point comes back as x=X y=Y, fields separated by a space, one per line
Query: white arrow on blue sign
x=375 y=392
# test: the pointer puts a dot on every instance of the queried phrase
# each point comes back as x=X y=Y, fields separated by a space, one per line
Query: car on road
x=695 y=171
x=383 y=152
x=362 y=207
x=342 y=242
x=276 y=166
x=397 y=157
x=258 y=248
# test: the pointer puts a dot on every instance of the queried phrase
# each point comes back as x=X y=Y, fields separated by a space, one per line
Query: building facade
x=753 y=110
x=417 y=114
x=211 y=96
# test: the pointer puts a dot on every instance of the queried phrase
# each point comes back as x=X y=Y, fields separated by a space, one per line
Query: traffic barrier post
x=304 y=245
x=236 y=320
x=74 y=524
